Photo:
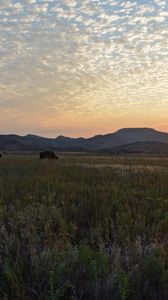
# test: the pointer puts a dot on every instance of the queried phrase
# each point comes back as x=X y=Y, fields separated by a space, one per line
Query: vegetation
x=83 y=228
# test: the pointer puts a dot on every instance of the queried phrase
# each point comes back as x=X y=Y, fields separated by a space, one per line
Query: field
x=83 y=227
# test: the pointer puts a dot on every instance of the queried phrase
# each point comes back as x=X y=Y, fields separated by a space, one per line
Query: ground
x=84 y=227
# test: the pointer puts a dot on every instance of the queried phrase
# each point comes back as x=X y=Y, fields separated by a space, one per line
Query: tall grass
x=69 y=231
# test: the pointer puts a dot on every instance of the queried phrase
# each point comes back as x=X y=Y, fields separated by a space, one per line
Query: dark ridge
x=125 y=136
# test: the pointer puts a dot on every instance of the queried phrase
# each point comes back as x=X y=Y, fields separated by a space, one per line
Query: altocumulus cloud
x=62 y=56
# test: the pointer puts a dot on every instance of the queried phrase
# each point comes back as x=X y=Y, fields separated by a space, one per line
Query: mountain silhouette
x=125 y=136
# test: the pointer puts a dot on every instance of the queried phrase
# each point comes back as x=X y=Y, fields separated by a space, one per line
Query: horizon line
x=81 y=137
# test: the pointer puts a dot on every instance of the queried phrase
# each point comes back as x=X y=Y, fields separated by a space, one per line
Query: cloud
x=83 y=56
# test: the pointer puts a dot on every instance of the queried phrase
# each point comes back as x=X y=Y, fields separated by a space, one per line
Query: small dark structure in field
x=0 y=155
x=48 y=155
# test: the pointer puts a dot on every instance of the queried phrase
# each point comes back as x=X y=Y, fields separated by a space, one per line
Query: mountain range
x=123 y=140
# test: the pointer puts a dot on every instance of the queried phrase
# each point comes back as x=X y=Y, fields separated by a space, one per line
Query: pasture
x=83 y=227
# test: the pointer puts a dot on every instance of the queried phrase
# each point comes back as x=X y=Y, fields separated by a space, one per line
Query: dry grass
x=69 y=231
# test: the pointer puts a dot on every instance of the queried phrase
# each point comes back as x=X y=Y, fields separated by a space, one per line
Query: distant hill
x=34 y=143
x=130 y=137
x=126 y=136
x=140 y=147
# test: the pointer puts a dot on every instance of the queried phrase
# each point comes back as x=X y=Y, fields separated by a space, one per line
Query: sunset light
x=80 y=68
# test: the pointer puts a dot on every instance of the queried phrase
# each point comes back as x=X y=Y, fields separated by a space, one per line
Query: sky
x=83 y=67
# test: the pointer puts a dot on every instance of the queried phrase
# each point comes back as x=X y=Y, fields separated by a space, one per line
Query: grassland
x=84 y=227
